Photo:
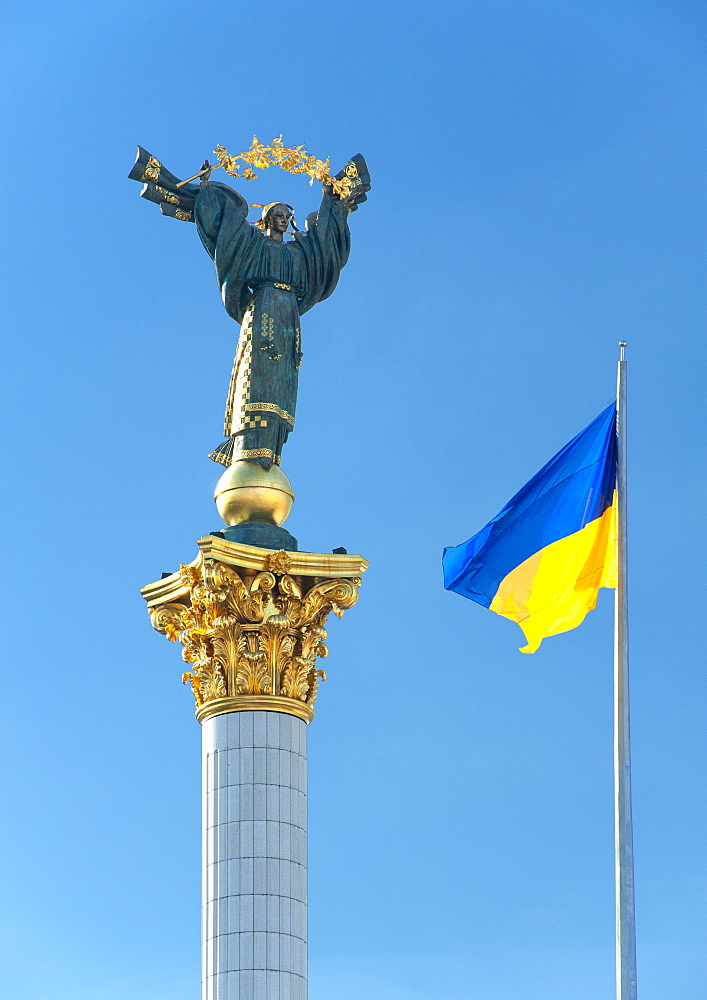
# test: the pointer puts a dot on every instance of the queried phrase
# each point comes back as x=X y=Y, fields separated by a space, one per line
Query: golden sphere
x=246 y=492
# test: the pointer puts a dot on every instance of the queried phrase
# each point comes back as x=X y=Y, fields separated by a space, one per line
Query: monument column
x=250 y=610
x=251 y=623
x=255 y=856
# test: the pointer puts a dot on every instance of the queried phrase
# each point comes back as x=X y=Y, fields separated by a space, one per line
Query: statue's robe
x=266 y=285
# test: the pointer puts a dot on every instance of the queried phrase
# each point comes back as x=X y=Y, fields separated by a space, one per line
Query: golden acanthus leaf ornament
x=253 y=635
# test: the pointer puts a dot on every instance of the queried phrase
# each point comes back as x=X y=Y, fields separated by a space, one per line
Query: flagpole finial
x=623 y=345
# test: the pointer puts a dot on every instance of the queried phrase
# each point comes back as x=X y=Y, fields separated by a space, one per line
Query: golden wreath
x=293 y=159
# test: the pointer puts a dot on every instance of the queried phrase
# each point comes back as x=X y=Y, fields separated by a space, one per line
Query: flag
x=542 y=560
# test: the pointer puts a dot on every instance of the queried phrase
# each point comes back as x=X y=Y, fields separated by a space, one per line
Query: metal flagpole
x=626 y=988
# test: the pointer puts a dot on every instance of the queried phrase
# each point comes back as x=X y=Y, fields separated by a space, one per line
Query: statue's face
x=279 y=218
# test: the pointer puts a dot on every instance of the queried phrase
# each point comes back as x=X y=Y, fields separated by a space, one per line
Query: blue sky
x=537 y=197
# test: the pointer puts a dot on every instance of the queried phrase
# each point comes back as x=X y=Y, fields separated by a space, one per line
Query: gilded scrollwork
x=251 y=634
x=330 y=595
x=167 y=195
x=152 y=170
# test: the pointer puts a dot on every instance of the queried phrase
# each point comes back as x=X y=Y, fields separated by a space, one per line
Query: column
x=254 y=913
x=251 y=623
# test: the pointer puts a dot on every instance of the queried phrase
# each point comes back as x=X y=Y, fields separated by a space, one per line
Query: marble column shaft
x=254 y=893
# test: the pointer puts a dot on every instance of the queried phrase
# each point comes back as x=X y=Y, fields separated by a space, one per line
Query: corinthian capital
x=251 y=623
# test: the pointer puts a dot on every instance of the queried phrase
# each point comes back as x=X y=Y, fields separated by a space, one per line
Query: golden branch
x=293 y=159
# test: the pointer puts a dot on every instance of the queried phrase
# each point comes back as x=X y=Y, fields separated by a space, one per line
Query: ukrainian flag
x=542 y=560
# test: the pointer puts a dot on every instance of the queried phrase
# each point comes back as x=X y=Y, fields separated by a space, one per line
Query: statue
x=266 y=284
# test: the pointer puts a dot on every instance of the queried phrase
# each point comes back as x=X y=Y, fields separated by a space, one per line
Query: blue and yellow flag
x=542 y=560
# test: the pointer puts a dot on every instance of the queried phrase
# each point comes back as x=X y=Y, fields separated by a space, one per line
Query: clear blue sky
x=537 y=197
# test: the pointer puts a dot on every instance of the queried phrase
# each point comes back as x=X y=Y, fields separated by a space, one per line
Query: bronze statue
x=266 y=283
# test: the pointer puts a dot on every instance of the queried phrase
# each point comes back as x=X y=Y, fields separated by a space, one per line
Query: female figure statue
x=266 y=284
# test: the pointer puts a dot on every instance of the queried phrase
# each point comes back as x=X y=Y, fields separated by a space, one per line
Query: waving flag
x=542 y=560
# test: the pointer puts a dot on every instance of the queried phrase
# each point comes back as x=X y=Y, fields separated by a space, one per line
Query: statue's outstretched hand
x=206 y=168
x=356 y=196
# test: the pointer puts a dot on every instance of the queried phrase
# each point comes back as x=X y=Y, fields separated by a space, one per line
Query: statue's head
x=277 y=216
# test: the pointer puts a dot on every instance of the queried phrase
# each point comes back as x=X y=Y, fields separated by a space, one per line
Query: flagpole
x=626 y=988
